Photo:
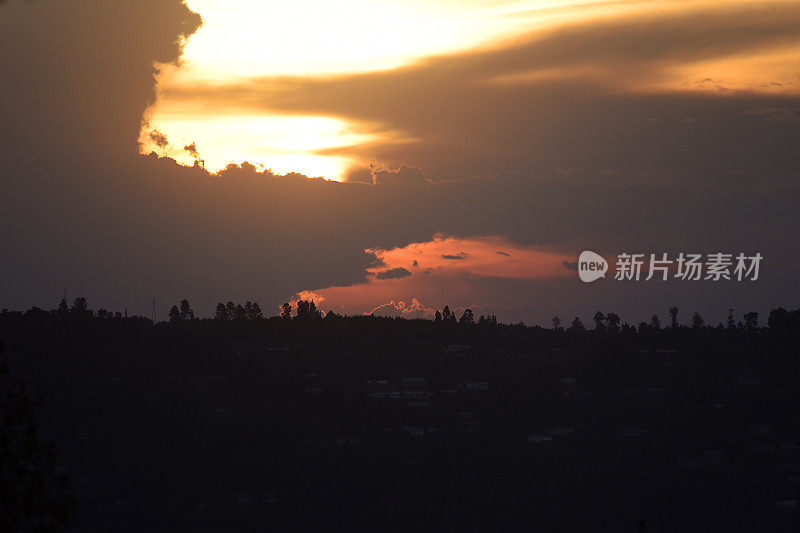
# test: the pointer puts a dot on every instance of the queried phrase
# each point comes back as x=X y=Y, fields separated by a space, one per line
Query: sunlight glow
x=242 y=40
x=248 y=38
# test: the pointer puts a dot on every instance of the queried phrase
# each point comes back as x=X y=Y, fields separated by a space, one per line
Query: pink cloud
x=444 y=270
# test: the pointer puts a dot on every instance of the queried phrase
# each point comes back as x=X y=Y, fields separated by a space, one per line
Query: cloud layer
x=556 y=164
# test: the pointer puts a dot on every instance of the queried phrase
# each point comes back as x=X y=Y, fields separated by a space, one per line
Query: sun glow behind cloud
x=284 y=45
x=243 y=39
x=247 y=38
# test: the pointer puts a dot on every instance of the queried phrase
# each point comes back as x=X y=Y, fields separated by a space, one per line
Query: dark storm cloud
x=503 y=253
x=83 y=211
x=460 y=255
x=394 y=273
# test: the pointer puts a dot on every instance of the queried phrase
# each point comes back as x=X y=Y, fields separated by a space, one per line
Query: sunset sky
x=467 y=152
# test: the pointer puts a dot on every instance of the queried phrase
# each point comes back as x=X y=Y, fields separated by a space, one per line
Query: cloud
x=459 y=255
x=400 y=309
x=83 y=210
x=775 y=114
x=574 y=96
x=159 y=139
x=60 y=92
x=404 y=175
x=394 y=273
x=503 y=253
x=570 y=265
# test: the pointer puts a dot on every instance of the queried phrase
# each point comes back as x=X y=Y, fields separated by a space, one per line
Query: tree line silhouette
x=779 y=319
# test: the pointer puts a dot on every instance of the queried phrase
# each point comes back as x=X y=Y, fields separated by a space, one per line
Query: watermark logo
x=718 y=266
x=591 y=266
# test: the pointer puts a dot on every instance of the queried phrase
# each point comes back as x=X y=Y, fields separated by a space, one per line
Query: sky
x=394 y=157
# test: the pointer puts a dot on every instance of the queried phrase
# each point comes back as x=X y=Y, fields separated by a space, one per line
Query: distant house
x=457 y=347
x=414 y=383
x=635 y=432
x=561 y=431
x=243 y=499
x=748 y=382
x=707 y=460
x=759 y=429
x=385 y=395
x=414 y=431
x=352 y=442
x=786 y=504
x=448 y=394
x=279 y=347
x=416 y=397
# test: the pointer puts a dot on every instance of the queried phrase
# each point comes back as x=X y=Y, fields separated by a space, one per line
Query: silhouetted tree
x=448 y=317
x=673 y=317
x=79 y=307
x=730 y=321
x=655 y=323
x=174 y=314
x=556 y=323
x=577 y=325
x=222 y=312
x=751 y=321
x=697 y=321
x=778 y=319
x=599 y=318
x=63 y=308
x=33 y=497
x=612 y=322
x=286 y=311
x=467 y=319
x=186 y=312
x=302 y=309
x=230 y=307
x=446 y=314
x=255 y=312
x=312 y=311
x=437 y=318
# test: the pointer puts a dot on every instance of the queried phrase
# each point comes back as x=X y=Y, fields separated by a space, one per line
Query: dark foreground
x=325 y=424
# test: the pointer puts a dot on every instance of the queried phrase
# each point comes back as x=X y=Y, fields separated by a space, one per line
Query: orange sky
x=403 y=277
x=534 y=128
x=274 y=47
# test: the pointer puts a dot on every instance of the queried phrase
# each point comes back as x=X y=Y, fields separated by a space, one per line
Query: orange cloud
x=442 y=270
x=486 y=256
